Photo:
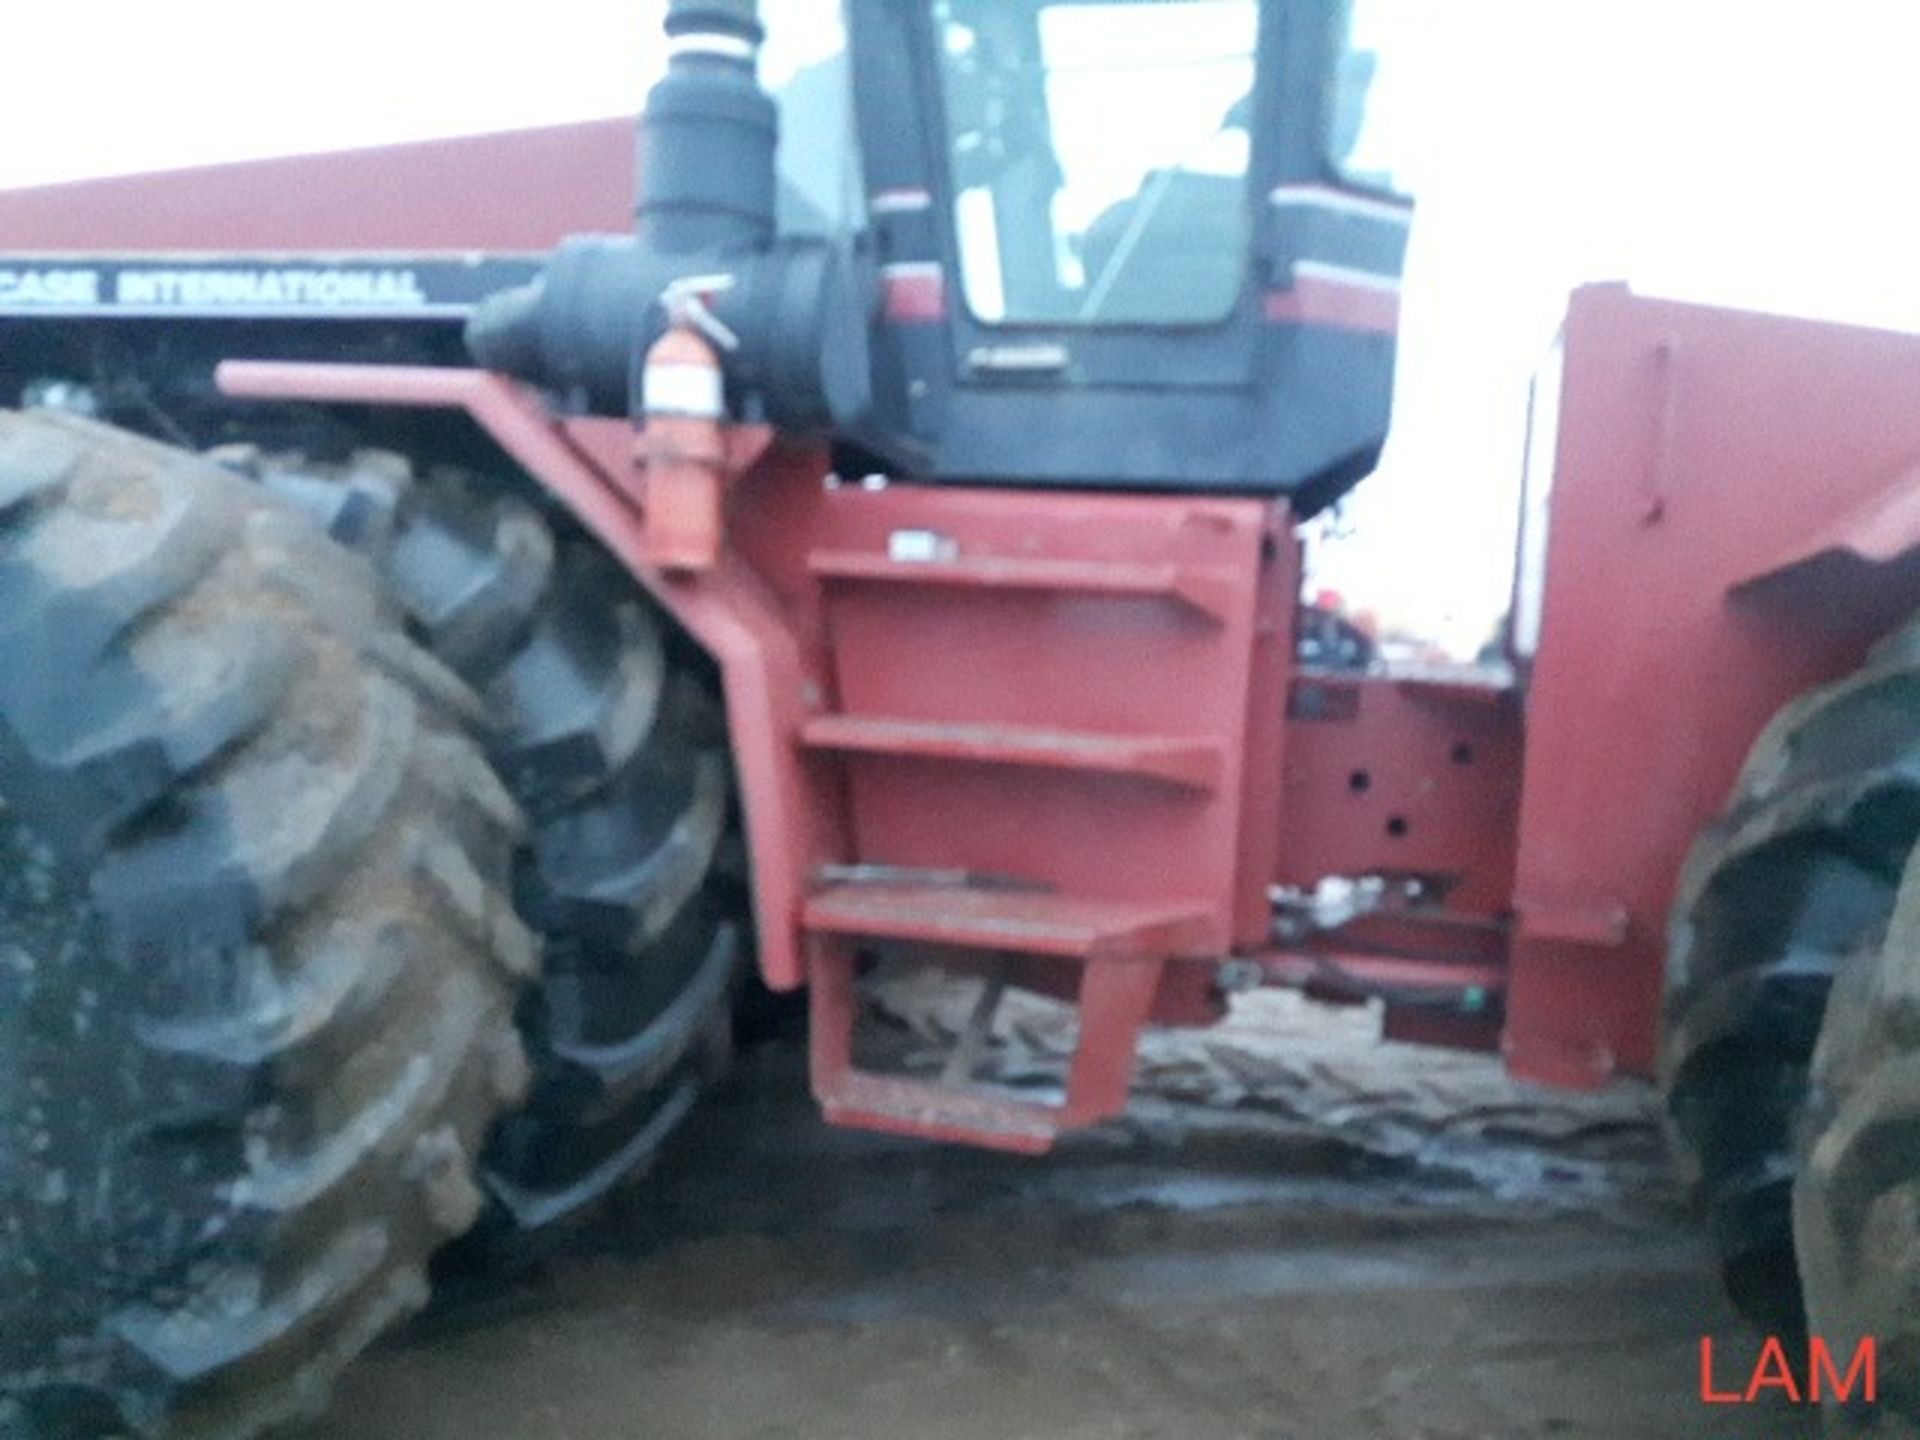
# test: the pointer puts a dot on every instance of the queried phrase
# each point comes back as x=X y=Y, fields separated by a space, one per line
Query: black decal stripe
x=425 y=287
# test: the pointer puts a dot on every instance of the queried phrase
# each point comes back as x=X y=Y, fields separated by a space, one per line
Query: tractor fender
x=589 y=466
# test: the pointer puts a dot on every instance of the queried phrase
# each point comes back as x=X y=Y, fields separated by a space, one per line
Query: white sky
x=1758 y=153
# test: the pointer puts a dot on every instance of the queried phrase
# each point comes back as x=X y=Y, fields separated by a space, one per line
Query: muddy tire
x=258 y=958
x=608 y=733
x=1856 y=1204
x=1781 y=895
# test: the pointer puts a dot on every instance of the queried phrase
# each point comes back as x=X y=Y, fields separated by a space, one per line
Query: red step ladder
x=1044 y=710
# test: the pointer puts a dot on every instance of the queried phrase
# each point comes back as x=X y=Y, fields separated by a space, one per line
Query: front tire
x=608 y=732
x=258 y=959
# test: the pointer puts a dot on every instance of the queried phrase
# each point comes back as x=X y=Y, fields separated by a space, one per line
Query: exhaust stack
x=706 y=182
x=705 y=208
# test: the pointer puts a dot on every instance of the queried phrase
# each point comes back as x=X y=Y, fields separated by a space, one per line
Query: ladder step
x=1025 y=922
x=1205 y=591
x=1191 y=764
x=898 y=1106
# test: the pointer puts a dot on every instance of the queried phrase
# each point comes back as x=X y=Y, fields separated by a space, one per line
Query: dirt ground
x=1299 y=1234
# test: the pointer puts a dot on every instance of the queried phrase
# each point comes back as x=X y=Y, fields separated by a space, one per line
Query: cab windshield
x=1375 y=106
x=1099 y=153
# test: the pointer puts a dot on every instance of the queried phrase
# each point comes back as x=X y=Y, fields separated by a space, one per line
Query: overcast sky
x=1752 y=153
x=1757 y=154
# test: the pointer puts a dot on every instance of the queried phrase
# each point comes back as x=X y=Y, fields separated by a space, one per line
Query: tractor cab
x=1095 y=244
x=1117 y=246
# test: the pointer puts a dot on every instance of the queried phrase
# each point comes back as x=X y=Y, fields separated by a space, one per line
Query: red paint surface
x=1336 y=304
x=1399 y=776
x=1088 y=696
x=514 y=191
x=1696 y=449
x=914 y=294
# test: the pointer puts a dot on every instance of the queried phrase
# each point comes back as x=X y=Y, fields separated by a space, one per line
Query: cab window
x=1099 y=155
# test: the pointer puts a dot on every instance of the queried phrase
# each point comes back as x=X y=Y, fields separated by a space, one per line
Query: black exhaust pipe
x=706 y=194
x=706 y=183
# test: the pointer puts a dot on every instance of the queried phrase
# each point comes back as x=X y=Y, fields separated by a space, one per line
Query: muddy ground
x=1299 y=1234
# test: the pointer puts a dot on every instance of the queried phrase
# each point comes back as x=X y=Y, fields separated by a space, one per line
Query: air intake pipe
x=706 y=182
x=798 y=307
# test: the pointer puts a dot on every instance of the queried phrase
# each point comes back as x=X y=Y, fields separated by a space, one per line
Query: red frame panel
x=1705 y=459
x=1733 y=520
x=1403 y=775
x=521 y=190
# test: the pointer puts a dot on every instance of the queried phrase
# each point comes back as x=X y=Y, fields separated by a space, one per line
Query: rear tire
x=1778 y=898
x=258 y=958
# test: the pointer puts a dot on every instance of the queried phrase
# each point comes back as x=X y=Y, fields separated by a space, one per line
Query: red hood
x=517 y=190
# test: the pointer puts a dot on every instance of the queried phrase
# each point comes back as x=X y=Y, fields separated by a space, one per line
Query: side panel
x=1702 y=456
x=1410 y=781
x=1082 y=665
x=1402 y=776
x=514 y=191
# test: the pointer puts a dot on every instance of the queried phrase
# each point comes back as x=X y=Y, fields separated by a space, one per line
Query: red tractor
x=486 y=656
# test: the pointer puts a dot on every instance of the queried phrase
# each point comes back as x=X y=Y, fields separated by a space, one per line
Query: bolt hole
x=1397 y=826
x=1360 y=781
x=1462 y=753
